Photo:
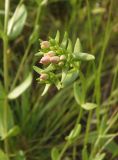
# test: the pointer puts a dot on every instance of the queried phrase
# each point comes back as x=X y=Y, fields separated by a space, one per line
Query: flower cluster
x=60 y=62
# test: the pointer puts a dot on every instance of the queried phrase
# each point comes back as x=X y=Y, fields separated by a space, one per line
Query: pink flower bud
x=62 y=57
x=43 y=76
x=45 y=44
x=50 y=53
x=45 y=60
x=54 y=59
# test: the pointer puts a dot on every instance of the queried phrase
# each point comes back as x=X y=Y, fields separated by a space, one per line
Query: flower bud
x=50 y=53
x=61 y=64
x=45 y=60
x=45 y=44
x=54 y=59
x=62 y=58
x=43 y=77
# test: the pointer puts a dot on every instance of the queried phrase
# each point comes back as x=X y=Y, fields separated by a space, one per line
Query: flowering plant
x=60 y=62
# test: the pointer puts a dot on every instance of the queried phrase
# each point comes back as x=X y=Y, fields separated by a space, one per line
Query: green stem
x=98 y=73
x=87 y=128
x=5 y=68
x=63 y=150
x=5 y=41
x=89 y=25
x=21 y=66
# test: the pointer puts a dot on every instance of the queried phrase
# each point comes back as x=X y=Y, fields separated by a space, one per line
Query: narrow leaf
x=57 y=37
x=65 y=40
x=70 y=77
x=85 y=154
x=47 y=86
x=37 y=69
x=83 y=56
x=89 y=106
x=12 y=132
x=77 y=47
x=10 y=122
x=39 y=54
x=21 y=88
x=16 y=23
x=78 y=93
x=74 y=134
x=20 y=155
x=69 y=46
x=100 y=157
x=54 y=154
x=3 y=156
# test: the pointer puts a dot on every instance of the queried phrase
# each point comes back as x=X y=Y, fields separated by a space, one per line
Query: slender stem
x=5 y=68
x=21 y=66
x=87 y=128
x=5 y=41
x=98 y=73
x=63 y=150
x=89 y=25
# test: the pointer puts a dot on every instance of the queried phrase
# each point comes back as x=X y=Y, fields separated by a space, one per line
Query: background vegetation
x=31 y=125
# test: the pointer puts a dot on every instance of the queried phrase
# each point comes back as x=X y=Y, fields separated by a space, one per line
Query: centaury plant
x=60 y=61
x=75 y=118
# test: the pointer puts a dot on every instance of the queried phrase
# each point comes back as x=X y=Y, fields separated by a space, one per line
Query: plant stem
x=87 y=128
x=5 y=68
x=5 y=41
x=89 y=25
x=63 y=150
x=98 y=73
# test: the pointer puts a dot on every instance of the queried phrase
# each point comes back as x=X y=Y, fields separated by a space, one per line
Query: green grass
x=39 y=124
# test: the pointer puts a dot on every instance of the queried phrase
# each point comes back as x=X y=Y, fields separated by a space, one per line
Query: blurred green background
x=44 y=122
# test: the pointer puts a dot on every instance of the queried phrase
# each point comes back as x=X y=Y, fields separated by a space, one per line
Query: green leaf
x=12 y=132
x=3 y=156
x=57 y=37
x=89 y=106
x=64 y=73
x=3 y=104
x=20 y=155
x=78 y=93
x=58 y=84
x=70 y=77
x=47 y=86
x=17 y=22
x=54 y=154
x=83 y=56
x=112 y=147
x=38 y=70
x=100 y=157
x=77 y=47
x=69 y=46
x=2 y=92
x=84 y=153
x=21 y=88
x=39 y=54
x=98 y=10
x=74 y=134
x=34 y=36
x=65 y=40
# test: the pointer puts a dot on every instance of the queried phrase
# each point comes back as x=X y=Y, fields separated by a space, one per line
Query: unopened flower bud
x=61 y=63
x=45 y=60
x=43 y=77
x=45 y=44
x=50 y=53
x=54 y=59
x=62 y=58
